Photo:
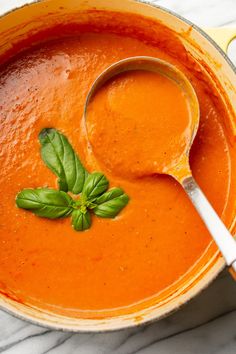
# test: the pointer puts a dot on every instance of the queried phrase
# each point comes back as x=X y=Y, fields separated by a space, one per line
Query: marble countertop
x=205 y=325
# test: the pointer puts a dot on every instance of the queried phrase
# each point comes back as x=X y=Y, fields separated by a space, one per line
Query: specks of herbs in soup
x=94 y=196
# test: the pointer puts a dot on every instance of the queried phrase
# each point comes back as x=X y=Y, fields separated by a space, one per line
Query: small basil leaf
x=95 y=184
x=81 y=220
x=47 y=203
x=111 y=203
x=58 y=154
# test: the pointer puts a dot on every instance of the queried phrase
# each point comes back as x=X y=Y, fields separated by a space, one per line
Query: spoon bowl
x=179 y=168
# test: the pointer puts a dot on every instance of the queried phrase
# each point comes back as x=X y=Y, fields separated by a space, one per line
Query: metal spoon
x=180 y=171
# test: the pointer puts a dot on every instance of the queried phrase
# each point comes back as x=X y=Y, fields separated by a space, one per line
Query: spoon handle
x=217 y=229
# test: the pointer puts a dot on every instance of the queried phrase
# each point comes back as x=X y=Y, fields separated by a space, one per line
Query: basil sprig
x=92 y=189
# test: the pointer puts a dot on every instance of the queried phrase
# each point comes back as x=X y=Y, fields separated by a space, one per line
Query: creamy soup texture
x=145 y=126
x=158 y=236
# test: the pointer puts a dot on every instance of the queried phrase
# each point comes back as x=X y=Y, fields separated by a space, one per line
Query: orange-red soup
x=156 y=239
x=145 y=126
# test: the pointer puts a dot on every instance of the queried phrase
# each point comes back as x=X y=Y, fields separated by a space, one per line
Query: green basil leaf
x=95 y=184
x=111 y=203
x=81 y=220
x=59 y=156
x=47 y=203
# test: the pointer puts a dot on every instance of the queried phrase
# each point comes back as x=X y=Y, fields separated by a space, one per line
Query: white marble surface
x=206 y=325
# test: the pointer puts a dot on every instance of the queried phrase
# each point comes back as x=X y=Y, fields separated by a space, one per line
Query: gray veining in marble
x=206 y=325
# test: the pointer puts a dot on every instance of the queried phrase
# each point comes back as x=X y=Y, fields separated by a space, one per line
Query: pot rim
x=164 y=9
x=219 y=265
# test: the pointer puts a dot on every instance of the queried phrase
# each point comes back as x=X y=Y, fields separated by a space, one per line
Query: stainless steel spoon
x=180 y=171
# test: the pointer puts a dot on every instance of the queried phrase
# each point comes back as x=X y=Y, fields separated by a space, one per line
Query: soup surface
x=146 y=125
x=158 y=236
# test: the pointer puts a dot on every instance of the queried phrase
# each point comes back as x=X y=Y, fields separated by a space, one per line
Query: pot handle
x=222 y=35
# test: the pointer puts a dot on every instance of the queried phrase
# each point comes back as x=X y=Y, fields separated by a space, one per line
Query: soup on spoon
x=142 y=114
x=140 y=121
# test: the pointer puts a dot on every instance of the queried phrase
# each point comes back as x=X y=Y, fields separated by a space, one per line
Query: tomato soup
x=158 y=237
x=146 y=125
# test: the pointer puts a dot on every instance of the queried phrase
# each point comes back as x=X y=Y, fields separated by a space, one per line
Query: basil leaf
x=111 y=203
x=47 y=203
x=95 y=184
x=81 y=220
x=59 y=156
